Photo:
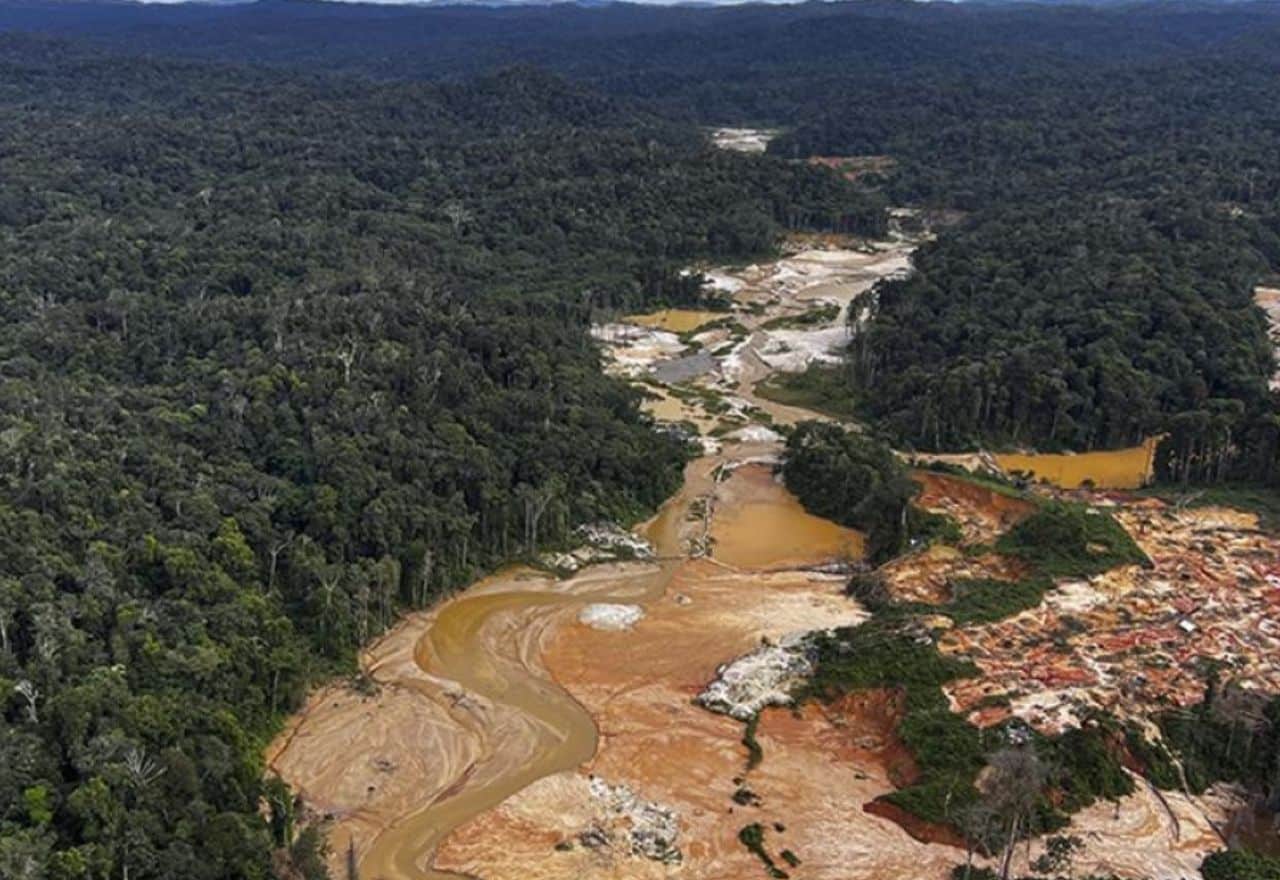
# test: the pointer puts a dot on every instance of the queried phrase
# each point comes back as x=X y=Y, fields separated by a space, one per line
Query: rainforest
x=819 y=441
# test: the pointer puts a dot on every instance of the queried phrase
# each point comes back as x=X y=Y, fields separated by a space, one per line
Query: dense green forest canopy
x=854 y=480
x=782 y=64
x=1118 y=166
x=1100 y=289
x=282 y=354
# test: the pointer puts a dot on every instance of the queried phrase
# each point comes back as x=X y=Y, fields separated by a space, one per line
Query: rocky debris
x=611 y=617
x=649 y=829
x=632 y=350
x=594 y=837
x=761 y=678
x=793 y=351
x=756 y=434
x=1119 y=640
x=602 y=542
x=607 y=536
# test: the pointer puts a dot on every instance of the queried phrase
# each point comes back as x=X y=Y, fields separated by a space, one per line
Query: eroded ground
x=743 y=140
x=1136 y=640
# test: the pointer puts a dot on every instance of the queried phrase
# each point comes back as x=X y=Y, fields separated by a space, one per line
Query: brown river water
x=1110 y=469
x=558 y=733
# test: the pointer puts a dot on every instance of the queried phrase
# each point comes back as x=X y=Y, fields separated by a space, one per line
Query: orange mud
x=1112 y=469
x=759 y=524
x=983 y=514
x=820 y=766
x=860 y=728
x=927 y=576
x=666 y=408
x=920 y=829
x=494 y=710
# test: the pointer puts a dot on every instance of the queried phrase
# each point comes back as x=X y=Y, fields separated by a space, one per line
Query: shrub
x=1071 y=540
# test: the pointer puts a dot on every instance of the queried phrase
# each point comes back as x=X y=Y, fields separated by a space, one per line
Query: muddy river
x=556 y=732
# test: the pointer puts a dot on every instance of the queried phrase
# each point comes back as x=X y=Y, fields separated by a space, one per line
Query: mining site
x=588 y=719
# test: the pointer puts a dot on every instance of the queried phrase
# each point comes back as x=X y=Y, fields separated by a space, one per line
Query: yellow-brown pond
x=759 y=524
x=675 y=320
x=1112 y=469
x=666 y=408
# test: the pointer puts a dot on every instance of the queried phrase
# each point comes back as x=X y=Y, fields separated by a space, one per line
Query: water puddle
x=1112 y=469
x=675 y=320
x=759 y=524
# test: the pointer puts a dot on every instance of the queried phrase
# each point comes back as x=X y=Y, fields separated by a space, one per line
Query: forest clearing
x=572 y=748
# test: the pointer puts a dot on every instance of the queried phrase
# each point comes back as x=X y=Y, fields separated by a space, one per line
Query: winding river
x=559 y=733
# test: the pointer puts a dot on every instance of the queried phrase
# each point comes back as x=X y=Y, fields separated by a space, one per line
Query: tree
x=1011 y=789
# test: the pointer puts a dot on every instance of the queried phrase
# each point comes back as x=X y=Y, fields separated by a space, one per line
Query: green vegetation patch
x=1240 y=865
x=1084 y=767
x=851 y=479
x=927 y=527
x=711 y=401
x=818 y=317
x=1071 y=540
x=822 y=389
x=755 y=754
x=1232 y=736
x=893 y=651
x=1154 y=758
x=986 y=600
x=752 y=837
x=895 y=654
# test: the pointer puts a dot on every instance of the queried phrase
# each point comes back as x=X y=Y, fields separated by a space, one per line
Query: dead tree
x=29 y=692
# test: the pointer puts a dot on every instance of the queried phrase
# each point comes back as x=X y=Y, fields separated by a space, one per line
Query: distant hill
x=713 y=62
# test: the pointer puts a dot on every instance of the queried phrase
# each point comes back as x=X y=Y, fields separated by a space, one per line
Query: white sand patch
x=1056 y=709
x=1073 y=597
x=743 y=140
x=762 y=678
x=732 y=365
x=608 y=616
x=723 y=282
x=633 y=350
x=756 y=434
x=792 y=351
